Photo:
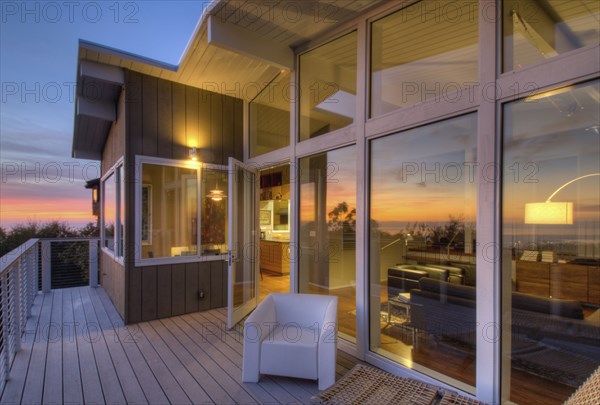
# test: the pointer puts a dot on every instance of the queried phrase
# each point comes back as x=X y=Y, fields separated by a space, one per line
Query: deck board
x=71 y=378
x=141 y=369
x=76 y=350
x=34 y=383
x=53 y=388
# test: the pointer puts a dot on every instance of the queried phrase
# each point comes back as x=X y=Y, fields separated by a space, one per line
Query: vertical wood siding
x=165 y=119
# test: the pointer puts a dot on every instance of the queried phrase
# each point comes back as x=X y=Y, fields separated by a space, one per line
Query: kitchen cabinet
x=275 y=256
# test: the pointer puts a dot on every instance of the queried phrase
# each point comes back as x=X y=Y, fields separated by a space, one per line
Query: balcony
x=70 y=346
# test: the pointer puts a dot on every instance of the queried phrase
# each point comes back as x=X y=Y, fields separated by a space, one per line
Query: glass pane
x=121 y=173
x=246 y=251
x=551 y=243
x=538 y=30
x=169 y=211
x=270 y=117
x=327 y=257
x=274 y=230
x=110 y=211
x=422 y=242
x=213 y=220
x=423 y=51
x=328 y=87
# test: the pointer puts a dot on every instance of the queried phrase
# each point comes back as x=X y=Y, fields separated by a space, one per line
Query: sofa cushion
x=552 y=306
x=454 y=290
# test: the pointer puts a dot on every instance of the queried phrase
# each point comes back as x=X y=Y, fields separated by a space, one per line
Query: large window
x=113 y=211
x=536 y=30
x=171 y=227
x=270 y=117
x=422 y=249
x=427 y=50
x=171 y=194
x=327 y=234
x=328 y=87
x=551 y=243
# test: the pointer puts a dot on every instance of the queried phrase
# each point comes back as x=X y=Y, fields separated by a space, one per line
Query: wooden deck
x=76 y=350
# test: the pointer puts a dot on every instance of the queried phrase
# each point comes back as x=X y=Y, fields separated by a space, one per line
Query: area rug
x=555 y=365
x=368 y=385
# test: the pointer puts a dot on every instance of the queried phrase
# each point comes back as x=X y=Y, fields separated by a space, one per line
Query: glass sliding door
x=244 y=230
x=422 y=249
x=327 y=232
x=551 y=243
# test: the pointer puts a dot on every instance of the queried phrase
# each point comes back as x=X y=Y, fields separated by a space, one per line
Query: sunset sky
x=38 y=41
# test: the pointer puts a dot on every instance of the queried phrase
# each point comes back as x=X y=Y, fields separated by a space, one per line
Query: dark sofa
x=545 y=331
x=403 y=278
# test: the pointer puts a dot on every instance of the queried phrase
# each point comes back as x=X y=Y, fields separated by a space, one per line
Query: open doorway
x=274 y=230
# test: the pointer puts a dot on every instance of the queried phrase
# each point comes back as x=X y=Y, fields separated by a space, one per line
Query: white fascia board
x=100 y=71
x=107 y=50
x=104 y=110
x=248 y=43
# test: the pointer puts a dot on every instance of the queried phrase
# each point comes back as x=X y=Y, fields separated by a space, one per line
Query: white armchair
x=292 y=335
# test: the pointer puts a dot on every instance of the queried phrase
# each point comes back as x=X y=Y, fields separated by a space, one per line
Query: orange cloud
x=74 y=211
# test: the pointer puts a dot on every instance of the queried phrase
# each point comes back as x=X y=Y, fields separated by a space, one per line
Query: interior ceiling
x=207 y=66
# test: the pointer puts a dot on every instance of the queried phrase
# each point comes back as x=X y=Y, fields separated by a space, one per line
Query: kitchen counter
x=275 y=255
x=276 y=240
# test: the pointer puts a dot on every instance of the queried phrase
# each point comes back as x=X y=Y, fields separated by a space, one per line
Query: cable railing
x=21 y=271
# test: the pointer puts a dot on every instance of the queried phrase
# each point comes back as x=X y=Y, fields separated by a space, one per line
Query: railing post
x=46 y=266
x=93 y=265
x=36 y=276
x=5 y=327
x=16 y=296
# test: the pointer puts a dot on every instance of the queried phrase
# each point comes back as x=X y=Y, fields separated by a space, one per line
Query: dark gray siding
x=163 y=120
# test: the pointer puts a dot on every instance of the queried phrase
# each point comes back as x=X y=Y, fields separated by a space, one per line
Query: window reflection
x=551 y=243
x=328 y=87
x=422 y=247
x=169 y=211
x=270 y=117
x=423 y=51
x=327 y=257
x=109 y=211
x=538 y=30
x=213 y=221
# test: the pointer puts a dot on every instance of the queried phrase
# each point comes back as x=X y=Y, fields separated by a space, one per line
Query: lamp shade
x=549 y=213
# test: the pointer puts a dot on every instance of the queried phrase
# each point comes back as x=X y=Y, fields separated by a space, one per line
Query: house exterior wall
x=165 y=119
x=112 y=272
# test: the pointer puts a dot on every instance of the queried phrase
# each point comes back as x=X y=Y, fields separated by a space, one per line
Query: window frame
x=118 y=252
x=140 y=160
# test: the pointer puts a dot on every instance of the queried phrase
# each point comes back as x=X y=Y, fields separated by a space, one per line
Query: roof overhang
x=236 y=49
x=98 y=90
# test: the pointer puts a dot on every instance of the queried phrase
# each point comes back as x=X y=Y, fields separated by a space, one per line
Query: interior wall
x=165 y=119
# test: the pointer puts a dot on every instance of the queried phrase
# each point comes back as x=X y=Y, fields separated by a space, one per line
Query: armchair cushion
x=301 y=362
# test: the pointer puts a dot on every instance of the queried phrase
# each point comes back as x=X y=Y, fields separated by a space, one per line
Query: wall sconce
x=193 y=153
x=95 y=195
x=552 y=213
